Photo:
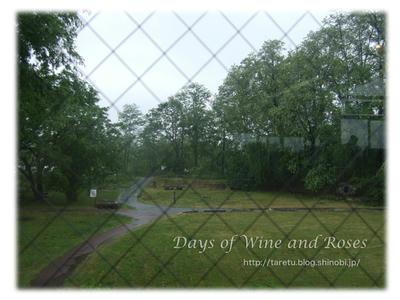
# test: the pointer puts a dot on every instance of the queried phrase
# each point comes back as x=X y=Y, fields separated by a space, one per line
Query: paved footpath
x=59 y=269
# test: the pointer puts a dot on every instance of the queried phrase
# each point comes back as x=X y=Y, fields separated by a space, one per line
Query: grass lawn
x=42 y=237
x=208 y=194
x=153 y=262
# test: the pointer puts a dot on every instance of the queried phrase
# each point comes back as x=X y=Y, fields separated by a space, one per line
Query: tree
x=167 y=121
x=81 y=152
x=304 y=94
x=130 y=122
x=45 y=46
x=308 y=105
x=252 y=92
x=196 y=117
x=46 y=42
x=348 y=43
x=65 y=139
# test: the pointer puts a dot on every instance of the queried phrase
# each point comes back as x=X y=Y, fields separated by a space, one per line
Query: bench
x=173 y=187
x=108 y=204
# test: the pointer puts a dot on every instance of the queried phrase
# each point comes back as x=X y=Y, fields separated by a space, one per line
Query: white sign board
x=93 y=193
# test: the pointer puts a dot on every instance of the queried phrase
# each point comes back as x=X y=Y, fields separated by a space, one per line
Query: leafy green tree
x=304 y=94
x=194 y=98
x=130 y=123
x=252 y=92
x=307 y=104
x=46 y=41
x=348 y=43
x=45 y=46
x=65 y=139
x=82 y=153
x=167 y=121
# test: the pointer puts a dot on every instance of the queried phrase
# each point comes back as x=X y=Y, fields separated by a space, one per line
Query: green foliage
x=372 y=188
x=46 y=40
x=319 y=177
x=65 y=139
x=272 y=98
x=130 y=124
x=182 y=123
x=304 y=94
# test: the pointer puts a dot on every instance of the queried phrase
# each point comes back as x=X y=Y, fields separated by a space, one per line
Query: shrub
x=319 y=177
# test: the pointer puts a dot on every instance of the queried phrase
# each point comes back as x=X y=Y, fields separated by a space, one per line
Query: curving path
x=59 y=269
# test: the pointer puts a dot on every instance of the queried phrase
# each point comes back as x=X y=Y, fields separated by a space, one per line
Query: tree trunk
x=195 y=154
x=39 y=180
x=72 y=190
x=37 y=190
x=72 y=195
x=223 y=153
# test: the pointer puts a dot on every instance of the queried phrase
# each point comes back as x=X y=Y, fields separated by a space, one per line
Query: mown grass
x=42 y=237
x=146 y=257
x=211 y=194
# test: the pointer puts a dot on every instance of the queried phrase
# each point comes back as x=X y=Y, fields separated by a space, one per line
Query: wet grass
x=213 y=194
x=42 y=237
x=146 y=257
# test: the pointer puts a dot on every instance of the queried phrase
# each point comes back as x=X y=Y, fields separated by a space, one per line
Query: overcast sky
x=145 y=57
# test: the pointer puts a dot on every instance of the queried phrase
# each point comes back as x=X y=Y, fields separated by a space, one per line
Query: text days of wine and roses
x=254 y=242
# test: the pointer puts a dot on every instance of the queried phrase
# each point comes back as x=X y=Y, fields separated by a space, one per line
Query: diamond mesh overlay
x=212 y=55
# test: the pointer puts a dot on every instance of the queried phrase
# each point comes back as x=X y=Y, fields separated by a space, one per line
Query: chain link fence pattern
x=165 y=212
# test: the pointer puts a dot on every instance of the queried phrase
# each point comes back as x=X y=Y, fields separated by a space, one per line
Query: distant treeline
x=309 y=119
